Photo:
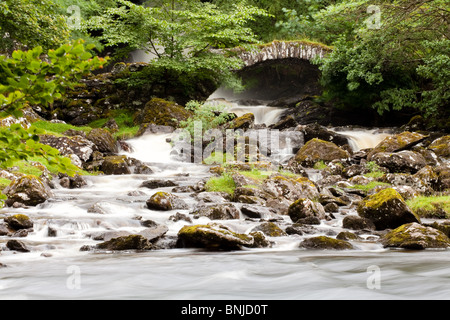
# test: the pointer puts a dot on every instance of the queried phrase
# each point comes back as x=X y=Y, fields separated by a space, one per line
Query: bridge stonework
x=283 y=50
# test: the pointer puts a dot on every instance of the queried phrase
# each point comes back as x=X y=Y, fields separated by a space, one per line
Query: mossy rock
x=325 y=243
x=243 y=122
x=165 y=201
x=441 y=146
x=386 y=209
x=316 y=150
x=104 y=140
x=130 y=242
x=415 y=236
x=162 y=112
x=19 y=221
x=305 y=208
x=217 y=211
x=28 y=190
x=213 y=237
x=115 y=165
x=395 y=142
x=270 y=229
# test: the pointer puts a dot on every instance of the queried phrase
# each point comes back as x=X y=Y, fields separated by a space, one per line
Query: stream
x=55 y=268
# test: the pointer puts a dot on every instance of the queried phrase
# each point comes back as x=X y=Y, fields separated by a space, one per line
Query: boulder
x=257 y=211
x=305 y=208
x=354 y=222
x=403 y=161
x=317 y=131
x=104 y=140
x=217 y=211
x=245 y=121
x=415 y=236
x=290 y=189
x=325 y=243
x=18 y=222
x=164 y=201
x=157 y=183
x=317 y=150
x=77 y=145
x=161 y=112
x=16 y=245
x=213 y=237
x=115 y=165
x=27 y=190
x=441 y=146
x=386 y=209
x=130 y=242
x=270 y=229
x=395 y=143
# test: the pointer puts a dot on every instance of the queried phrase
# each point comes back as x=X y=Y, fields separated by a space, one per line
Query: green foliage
x=27 y=79
x=206 y=115
x=30 y=23
x=182 y=36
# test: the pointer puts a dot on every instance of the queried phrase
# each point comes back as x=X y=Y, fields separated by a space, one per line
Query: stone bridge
x=283 y=50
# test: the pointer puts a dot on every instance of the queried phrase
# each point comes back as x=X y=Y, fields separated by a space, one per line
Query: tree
x=29 y=78
x=29 y=23
x=184 y=36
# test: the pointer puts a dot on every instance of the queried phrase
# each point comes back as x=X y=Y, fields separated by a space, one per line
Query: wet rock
x=154 y=233
x=213 y=197
x=151 y=128
x=179 y=216
x=130 y=242
x=347 y=236
x=325 y=243
x=304 y=208
x=270 y=229
x=257 y=211
x=243 y=122
x=164 y=201
x=27 y=190
x=19 y=221
x=77 y=145
x=16 y=245
x=403 y=161
x=317 y=150
x=157 y=183
x=115 y=165
x=219 y=211
x=213 y=237
x=386 y=209
x=290 y=189
x=74 y=182
x=103 y=140
x=259 y=240
x=396 y=142
x=317 y=131
x=331 y=207
x=441 y=146
x=142 y=168
x=357 y=223
x=415 y=236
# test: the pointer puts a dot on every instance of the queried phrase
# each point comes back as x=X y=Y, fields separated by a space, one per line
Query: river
x=55 y=268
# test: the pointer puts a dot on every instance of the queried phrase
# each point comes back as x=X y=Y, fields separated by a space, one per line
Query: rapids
x=55 y=268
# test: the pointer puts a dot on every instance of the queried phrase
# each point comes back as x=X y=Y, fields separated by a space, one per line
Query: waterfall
x=363 y=138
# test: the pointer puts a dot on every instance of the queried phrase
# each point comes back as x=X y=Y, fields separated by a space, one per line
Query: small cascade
x=363 y=138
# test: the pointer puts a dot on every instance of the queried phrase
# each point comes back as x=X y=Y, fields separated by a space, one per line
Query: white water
x=56 y=268
x=363 y=138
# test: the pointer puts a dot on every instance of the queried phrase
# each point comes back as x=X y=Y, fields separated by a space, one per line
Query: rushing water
x=55 y=268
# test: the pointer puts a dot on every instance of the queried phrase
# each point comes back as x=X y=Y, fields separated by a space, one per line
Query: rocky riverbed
x=324 y=195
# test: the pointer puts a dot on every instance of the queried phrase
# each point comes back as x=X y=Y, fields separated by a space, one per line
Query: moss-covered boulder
x=325 y=243
x=386 y=209
x=18 y=222
x=165 y=201
x=27 y=190
x=115 y=165
x=396 y=142
x=74 y=145
x=162 y=112
x=270 y=229
x=441 y=146
x=403 y=161
x=316 y=150
x=103 y=140
x=354 y=222
x=305 y=208
x=129 y=242
x=415 y=236
x=213 y=237
x=245 y=121
x=290 y=189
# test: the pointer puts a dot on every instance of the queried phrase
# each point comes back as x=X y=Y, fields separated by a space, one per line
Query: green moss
x=224 y=183
x=378 y=199
x=324 y=242
x=215 y=158
x=58 y=128
x=430 y=206
x=320 y=165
